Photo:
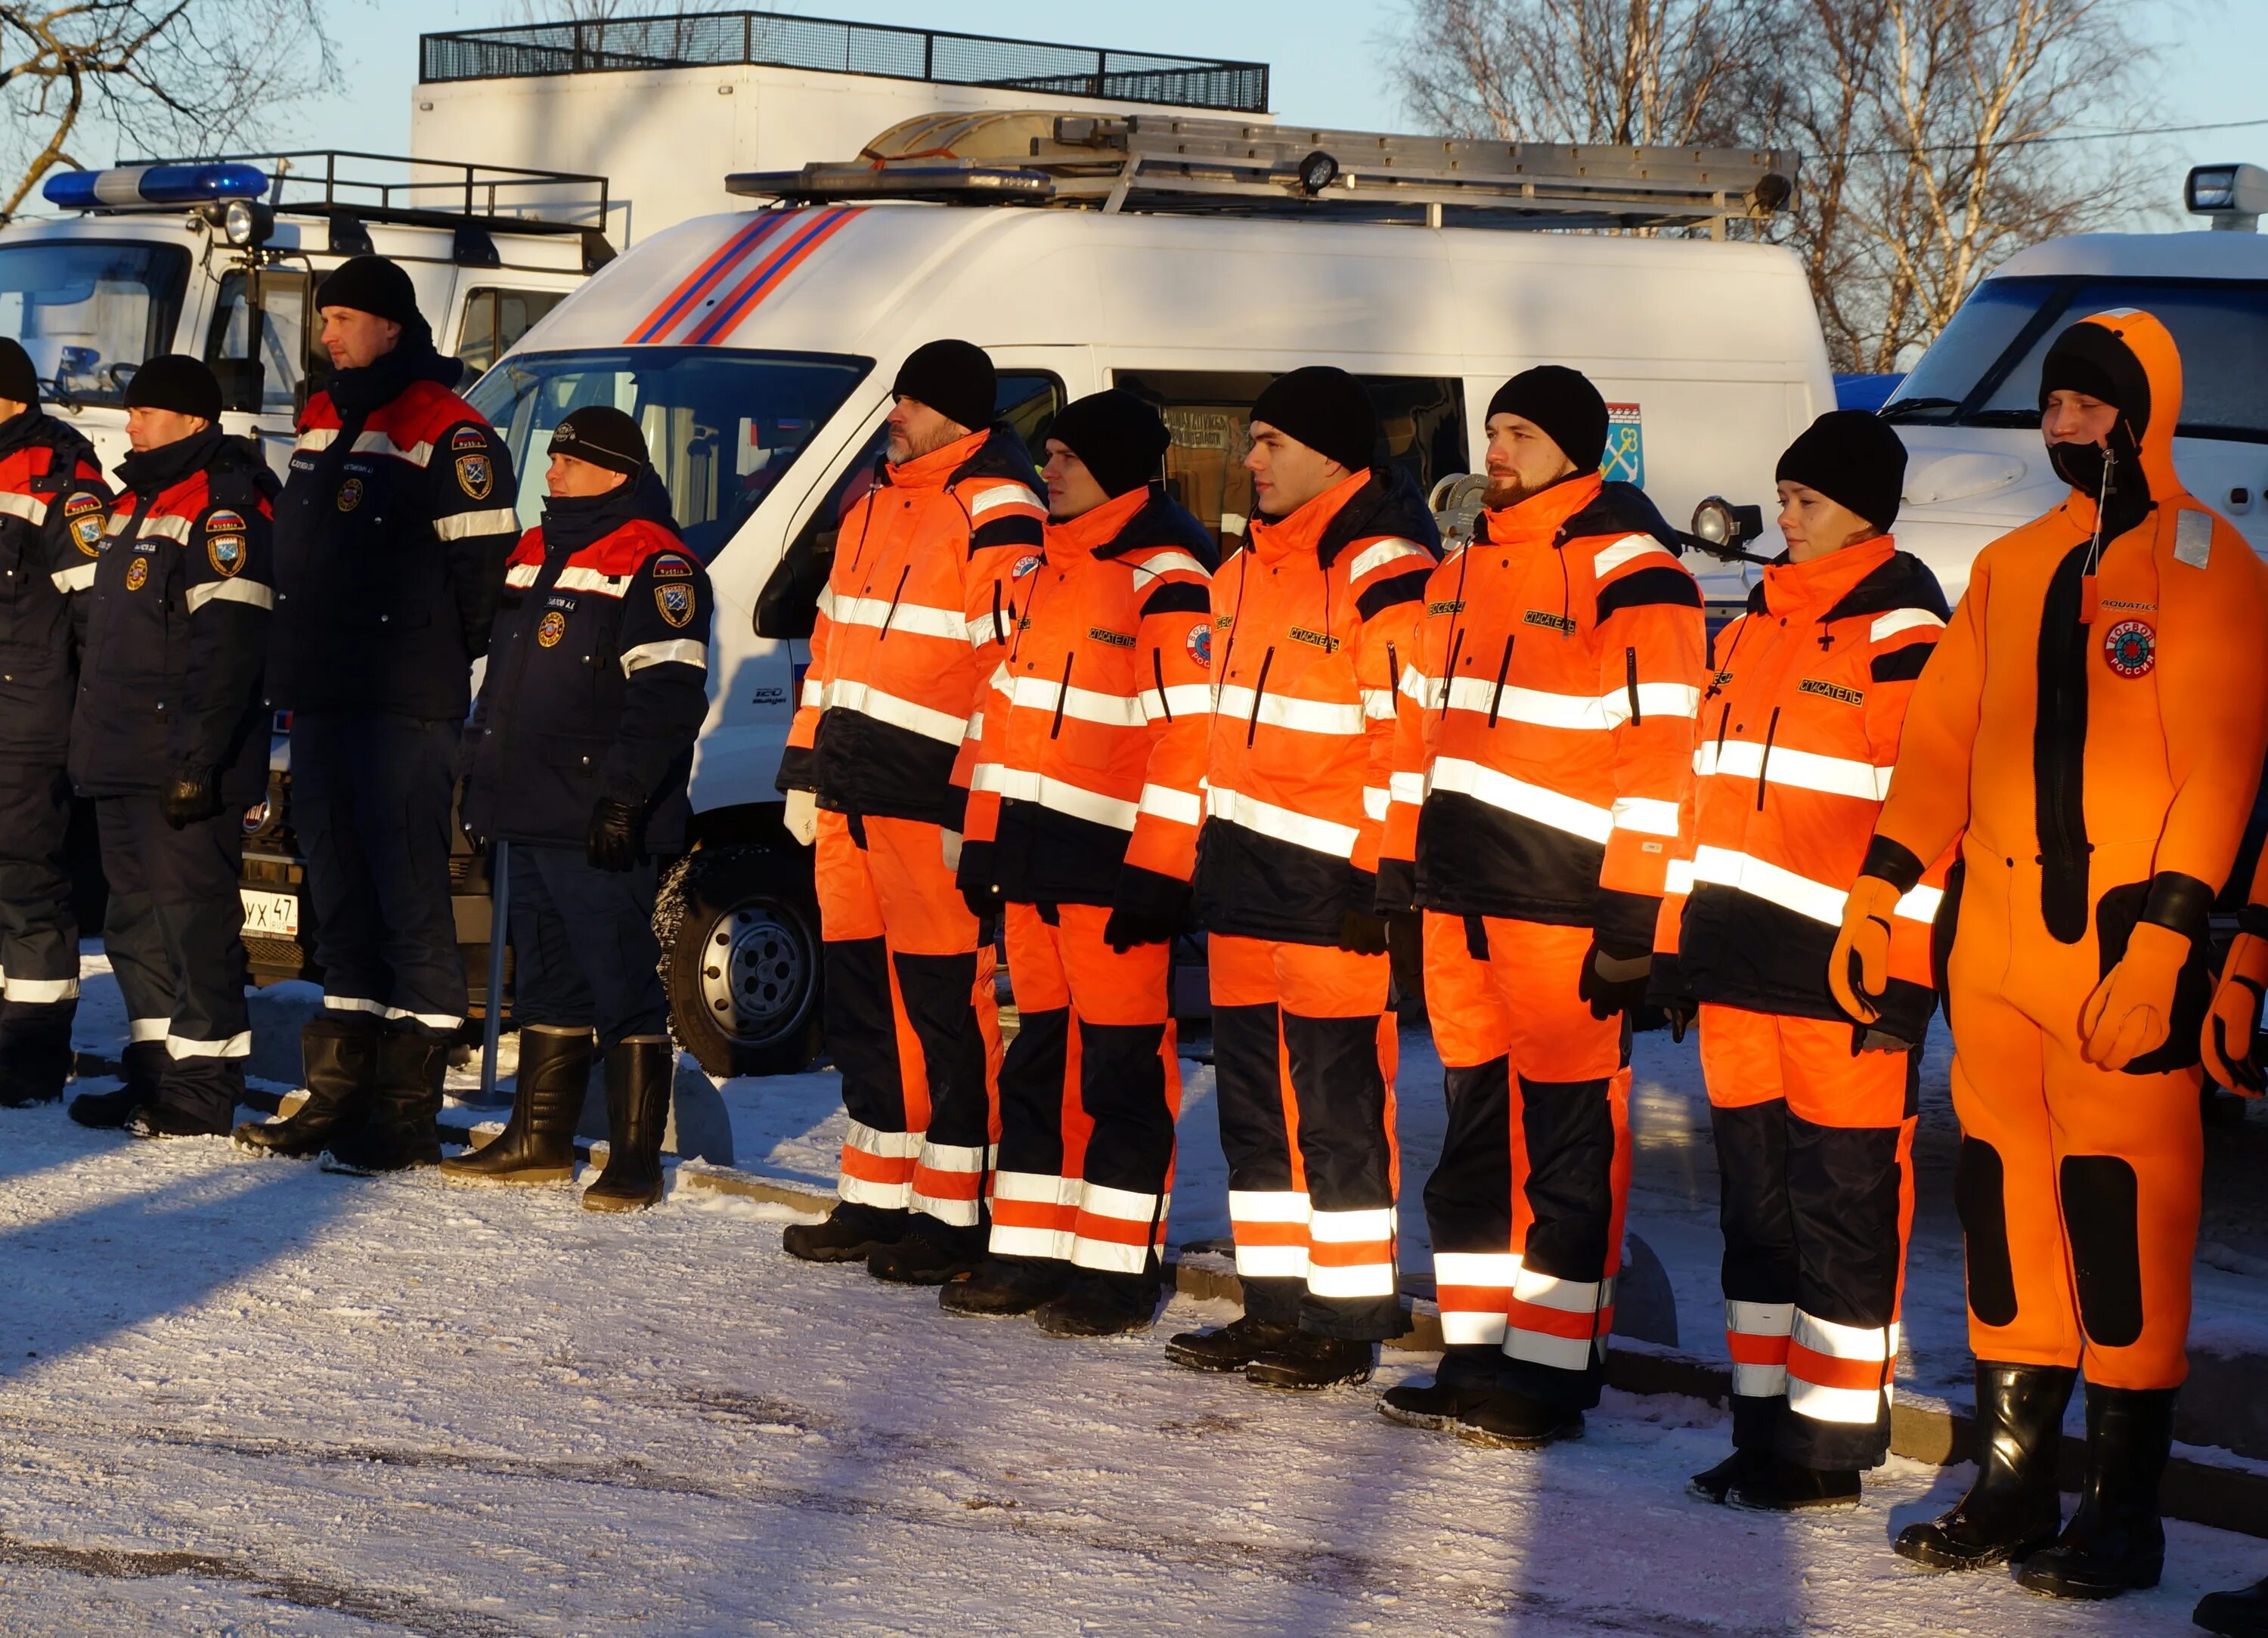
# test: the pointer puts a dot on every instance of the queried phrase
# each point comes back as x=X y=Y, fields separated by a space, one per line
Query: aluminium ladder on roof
x=1158 y=163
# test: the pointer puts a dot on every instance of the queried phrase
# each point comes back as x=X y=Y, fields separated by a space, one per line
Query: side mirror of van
x=788 y=606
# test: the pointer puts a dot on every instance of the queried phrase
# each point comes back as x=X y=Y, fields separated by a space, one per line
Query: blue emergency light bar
x=154 y=184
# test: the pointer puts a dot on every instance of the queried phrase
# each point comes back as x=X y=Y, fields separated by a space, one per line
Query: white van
x=1969 y=411
x=757 y=351
x=219 y=259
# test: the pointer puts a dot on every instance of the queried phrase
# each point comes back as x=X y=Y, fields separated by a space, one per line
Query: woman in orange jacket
x=1813 y=1111
x=2091 y=730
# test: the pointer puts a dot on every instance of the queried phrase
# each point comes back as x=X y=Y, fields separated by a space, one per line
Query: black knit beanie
x=1119 y=437
x=1564 y=404
x=601 y=435
x=177 y=382
x=17 y=379
x=1324 y=409
x=371 y=285
x=954 y=379
x=1852 y=457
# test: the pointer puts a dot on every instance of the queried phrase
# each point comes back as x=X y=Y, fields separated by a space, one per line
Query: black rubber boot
x=1514 y=1421
x=639 y=1070
x=1007 y=1285
x=1305 y=1363
x=35 y=1052
x=158 y=1119
x=1231 y=1347
x=144 y=1068
x=931 y=1254
x=537 y=1144
x=339 y=1053
x=2243 y=1615
x=1097 y=1304
x=1718 y=1482
x=1775 y=1484
x=851 y=1233
x=2116 y=1540
x=1431 y=1405
x=2013 y=1508
x=398 y=1132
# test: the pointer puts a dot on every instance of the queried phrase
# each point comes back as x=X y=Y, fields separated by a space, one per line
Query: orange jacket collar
x=1535 y=521
x=1302 y=531
x=1823 y=581
x=931 y=471
x=1091 y=531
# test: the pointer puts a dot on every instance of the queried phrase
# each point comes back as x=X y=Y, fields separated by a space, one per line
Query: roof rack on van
x=474 y=200
x=1164 y=163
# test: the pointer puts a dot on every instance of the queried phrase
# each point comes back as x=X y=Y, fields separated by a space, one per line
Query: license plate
x=273 y=915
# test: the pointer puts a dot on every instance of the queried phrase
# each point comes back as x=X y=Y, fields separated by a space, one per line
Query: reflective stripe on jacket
x=53 y=507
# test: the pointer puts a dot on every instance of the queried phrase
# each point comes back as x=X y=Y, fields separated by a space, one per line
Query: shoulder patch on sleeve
x=225 y=552
x=676 y=604
x=85 y=516
x=222 y=521
x=669 y=565
x=476 y=475
x=467 y=437
x=2193 y=537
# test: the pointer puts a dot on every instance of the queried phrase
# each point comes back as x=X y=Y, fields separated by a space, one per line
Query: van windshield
x=1984 y=371
x=722 y=426
x=89 y=313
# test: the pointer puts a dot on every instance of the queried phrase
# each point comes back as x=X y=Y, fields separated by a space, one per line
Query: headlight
x=245 y=221
x=1720 y=526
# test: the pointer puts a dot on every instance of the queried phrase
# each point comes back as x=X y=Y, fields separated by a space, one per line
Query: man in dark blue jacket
x=390 y=539
x=53 y=507
x=579 y=754
x=170 y=739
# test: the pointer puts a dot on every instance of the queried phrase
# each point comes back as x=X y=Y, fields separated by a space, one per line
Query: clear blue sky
x=1330 y=58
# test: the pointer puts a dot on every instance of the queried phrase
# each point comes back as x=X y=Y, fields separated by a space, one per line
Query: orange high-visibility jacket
x=2109 y=724
x=1545 y=740
x=915 y=617
x=1311 y=621
x=1799 y=732
x=1092 y=754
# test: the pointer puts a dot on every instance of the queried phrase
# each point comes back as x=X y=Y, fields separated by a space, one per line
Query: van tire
x=739 y=929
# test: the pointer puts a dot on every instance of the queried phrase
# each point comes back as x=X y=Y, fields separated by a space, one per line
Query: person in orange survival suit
x=2093 y=722
x=1814 y=1118
x=914 y=618
x=1083 y=813
x=1545 y=748
x=1309 y=619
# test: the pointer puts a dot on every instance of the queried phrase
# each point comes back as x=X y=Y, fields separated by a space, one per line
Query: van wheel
x=739 y=929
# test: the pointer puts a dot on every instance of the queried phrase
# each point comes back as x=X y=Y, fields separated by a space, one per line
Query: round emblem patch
x=137 y=574
x=349 y=495
x=1199 y=642
x=550 y=628
x=1024 y=566
x=2131 y=649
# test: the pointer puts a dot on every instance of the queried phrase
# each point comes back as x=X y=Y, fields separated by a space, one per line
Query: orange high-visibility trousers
x=910 y=1019
x=2078 y=1187
x=1526 y=1207
x=1089 y=1093
x=1303 y=1054
x=1815 y=1172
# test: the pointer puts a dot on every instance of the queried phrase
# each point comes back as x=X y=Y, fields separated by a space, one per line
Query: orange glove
x=1860 y=967
x=2131 y=1013
x=2228 y=1041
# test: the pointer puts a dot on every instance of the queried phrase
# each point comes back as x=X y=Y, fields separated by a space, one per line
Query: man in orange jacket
x=2091 y=728
x=914 y=618
x=1813 y=1112
x=1545 y=748
x=1310 y=617
x=1083 y=812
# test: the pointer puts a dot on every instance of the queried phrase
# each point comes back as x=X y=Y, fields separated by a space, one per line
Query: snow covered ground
x=245 y=1397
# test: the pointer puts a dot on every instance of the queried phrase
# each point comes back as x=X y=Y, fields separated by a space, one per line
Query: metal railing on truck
x=768 y=40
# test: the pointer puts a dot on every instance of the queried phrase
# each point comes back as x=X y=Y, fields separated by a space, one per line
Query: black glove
x=1126 y=929
x=1614 y=981
x=1362 y=933
x=192 y=797
x=616 y=838
x=464 y=815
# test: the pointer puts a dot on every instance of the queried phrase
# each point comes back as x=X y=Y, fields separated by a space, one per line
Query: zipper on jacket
x=1062 y=697
x=1157 y=672
x=1449 y=671
x=999 y=632
x=891 y=613
x=1629 y=682
x=1724 y=722
x=1503 y=667
x=1259 y=692
x=1764 y=762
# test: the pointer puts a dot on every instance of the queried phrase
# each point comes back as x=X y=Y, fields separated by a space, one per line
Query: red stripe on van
x=769 y=275
x=705 y=276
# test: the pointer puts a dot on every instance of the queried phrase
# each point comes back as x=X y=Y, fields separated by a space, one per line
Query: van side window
x=789 y=604
x=262 y=343
x=495 y=318
x=1209 y=413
